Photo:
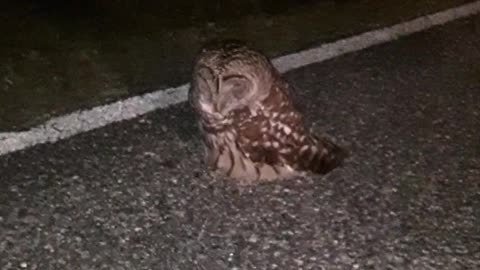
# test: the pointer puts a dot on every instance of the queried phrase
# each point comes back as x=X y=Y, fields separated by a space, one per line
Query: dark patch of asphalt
x=135 y=195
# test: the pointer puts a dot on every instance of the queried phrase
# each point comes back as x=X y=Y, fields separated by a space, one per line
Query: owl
x=249 y=125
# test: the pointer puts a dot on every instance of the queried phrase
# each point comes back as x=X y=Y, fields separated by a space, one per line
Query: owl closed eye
x=233 y=91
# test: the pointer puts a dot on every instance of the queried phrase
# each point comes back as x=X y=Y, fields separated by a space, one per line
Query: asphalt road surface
x=135 y=195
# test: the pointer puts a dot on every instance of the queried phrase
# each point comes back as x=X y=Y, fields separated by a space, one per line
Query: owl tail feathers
x=325 y=157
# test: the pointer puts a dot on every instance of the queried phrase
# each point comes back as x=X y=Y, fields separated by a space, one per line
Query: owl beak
x=220 y=104
x=219 y=85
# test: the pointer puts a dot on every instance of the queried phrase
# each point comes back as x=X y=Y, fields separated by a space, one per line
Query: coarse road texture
x=135 y=195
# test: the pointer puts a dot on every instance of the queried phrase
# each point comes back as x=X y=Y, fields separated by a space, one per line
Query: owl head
x=229 y=76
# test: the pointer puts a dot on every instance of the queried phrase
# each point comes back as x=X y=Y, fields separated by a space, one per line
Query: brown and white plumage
x=250 y=128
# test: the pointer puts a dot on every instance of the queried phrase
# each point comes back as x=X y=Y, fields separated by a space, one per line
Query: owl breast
x=241 y=152
x=264 y=141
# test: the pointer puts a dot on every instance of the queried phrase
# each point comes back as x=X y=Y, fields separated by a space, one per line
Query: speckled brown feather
x=263 y=136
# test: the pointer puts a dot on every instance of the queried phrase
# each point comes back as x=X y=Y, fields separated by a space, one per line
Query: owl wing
x=308 y=152
x=275 y=135
x=273 y=132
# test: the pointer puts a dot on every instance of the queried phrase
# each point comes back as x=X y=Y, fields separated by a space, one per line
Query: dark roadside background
x=59 y=56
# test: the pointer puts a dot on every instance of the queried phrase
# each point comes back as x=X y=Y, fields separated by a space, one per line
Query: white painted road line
x=62 y=127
